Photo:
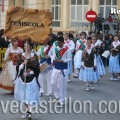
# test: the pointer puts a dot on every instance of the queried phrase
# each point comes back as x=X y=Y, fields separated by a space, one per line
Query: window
x=56 y=8
x=108 y=2
x=23 y=3
x=114 y=2
x=73 y=2
x=105 y=6
x=14 y=3
x=102 y=2
x=78 y=9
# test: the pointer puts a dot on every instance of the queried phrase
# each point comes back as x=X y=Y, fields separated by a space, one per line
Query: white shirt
x=50 y=53
x=27 y=57
x=70 y=44
x=11 y=50
x=67 y=57
x=98 y=42
x=115 y=44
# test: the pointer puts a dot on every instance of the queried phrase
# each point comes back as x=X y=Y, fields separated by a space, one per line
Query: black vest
x=89 y=59
x=114 y=52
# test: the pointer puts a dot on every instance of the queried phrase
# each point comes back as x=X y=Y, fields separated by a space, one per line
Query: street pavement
x=105 y=90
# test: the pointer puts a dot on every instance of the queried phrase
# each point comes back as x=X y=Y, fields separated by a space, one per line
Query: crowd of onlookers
x=104 y=41
x=100 y=20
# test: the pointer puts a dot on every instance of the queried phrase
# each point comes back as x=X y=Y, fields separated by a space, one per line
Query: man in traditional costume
x=61 y=58
x=69 y=43
x=45 y=53
x=80 y=46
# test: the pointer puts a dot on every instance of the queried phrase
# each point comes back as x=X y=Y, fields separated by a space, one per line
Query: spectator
x=99 y=39
x=53 y=38
x=20 y=43
x=104 y=47
x=71 y=37
x=97 y=23
x=107 y=46
x=119 y=36
x=60 y=34
x=110 y=39
x=107 y=43
x=110 y=19
x=77 y=38
x=3 y=43
x=97 y=33
x=91 y=34
x=85 y=34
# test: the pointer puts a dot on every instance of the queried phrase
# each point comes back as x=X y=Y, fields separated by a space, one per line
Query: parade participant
x=114 y=65
x=105 y=51
x=94 y=42
x=100 y=65
x=104 y=56
x=26 y=83
x=9 y=66
x=99 y=39
x=55 y=44
x=71 y=36
x=80 y=46
x=45 y=53
x=88 y=72
x=77 y=38
x=60 y=59
x=69 y=43
x=78 y=43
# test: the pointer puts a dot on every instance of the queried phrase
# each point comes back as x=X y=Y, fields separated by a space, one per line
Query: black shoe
x=41 y=94
x=27 y=115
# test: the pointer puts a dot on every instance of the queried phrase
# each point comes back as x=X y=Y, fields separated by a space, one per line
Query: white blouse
x=115 y=44
x=11 y=50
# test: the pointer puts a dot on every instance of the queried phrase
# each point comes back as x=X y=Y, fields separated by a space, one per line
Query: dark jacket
x=3 y=43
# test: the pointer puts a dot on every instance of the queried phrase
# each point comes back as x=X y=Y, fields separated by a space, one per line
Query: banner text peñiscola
x=30 y=24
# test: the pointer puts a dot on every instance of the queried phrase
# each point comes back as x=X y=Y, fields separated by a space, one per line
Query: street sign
x=91 y=16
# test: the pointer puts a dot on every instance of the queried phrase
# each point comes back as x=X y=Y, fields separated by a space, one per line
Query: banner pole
x=25 y=78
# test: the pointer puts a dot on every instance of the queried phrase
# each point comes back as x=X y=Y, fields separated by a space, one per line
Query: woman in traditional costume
x=100 y=65
x=26 y=83
x=9 y=66
x=88 y=71
x=114 y=65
